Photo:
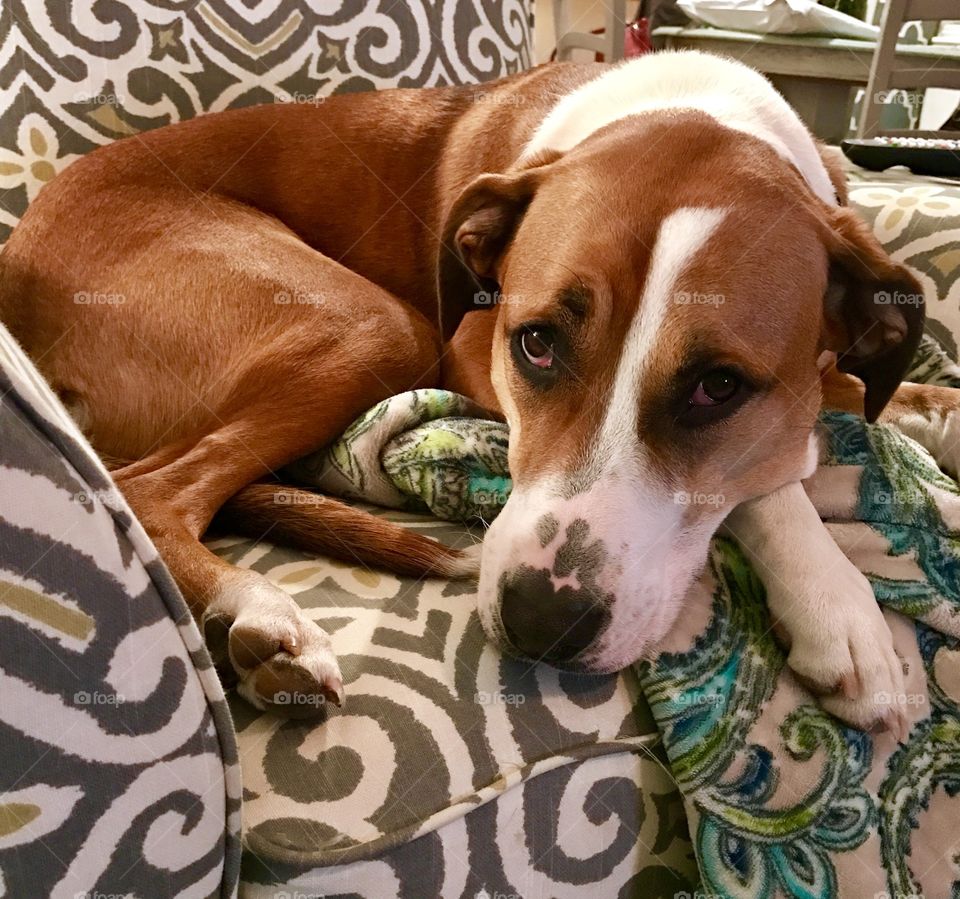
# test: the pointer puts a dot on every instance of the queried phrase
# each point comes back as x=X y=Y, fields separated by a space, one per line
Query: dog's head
x=664 y=291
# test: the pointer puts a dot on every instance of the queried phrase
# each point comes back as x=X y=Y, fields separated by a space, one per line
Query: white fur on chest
x=733 y=94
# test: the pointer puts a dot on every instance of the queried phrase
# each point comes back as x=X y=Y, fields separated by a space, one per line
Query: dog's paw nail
x=850 y=685
x=892 y=723
x=881 y=726
x=333 y=691
x=900 y=727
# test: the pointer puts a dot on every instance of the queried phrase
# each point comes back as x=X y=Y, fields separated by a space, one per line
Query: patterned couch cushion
x=119 y=772
x=919 y=224
x=917 y=218
x=450 y=765
x=569 y=829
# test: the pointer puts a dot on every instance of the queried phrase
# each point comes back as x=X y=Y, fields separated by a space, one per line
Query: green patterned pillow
x=422 y=451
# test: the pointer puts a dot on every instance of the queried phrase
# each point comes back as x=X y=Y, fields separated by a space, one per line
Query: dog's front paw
x=843 y=651
x=280 y=659
x=868 y=688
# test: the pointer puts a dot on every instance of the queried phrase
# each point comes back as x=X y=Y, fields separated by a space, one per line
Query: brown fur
x=318 y=524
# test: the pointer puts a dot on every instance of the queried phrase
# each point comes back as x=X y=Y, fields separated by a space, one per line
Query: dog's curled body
x=215 y=299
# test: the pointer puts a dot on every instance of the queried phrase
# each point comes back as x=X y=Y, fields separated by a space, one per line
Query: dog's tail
x=319 y=524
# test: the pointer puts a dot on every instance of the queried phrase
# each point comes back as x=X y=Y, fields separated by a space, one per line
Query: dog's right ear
x=477 y=232
x=873 y=310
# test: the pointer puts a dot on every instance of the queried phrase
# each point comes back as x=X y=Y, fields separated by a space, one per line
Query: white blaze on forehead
x=682 y=235
x=732 y=93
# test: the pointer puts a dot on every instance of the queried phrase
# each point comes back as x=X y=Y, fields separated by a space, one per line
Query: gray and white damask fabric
x=74 y=75
x=119 y=772
x=571 y=829
x=452 y=771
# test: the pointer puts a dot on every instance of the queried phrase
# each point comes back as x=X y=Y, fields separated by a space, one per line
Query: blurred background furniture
x=823 y=77
x=892 y=70
x=609 y=42
x=818 y=75
x=814 y=74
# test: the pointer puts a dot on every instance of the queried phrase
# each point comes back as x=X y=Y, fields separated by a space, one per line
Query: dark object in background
x=662 y=12
x=923 y=156
x=637 y=40
x=855 y=8
x=953 y=123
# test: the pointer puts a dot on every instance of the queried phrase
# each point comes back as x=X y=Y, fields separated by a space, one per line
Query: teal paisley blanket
x=782 y=798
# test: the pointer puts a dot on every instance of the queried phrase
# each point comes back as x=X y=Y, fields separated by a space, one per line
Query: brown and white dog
x=672 y=260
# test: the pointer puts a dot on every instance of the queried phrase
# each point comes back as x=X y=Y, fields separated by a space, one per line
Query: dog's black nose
x=542 y=622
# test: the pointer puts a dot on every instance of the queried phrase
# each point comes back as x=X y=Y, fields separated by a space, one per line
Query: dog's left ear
x=479 y=227
x=873 y=310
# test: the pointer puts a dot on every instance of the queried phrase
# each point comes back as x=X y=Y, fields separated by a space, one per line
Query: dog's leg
x=237 y=349
x=256 y=634
x=928 y=413
x=840 y=644
x=824 y=606
x=293 y=398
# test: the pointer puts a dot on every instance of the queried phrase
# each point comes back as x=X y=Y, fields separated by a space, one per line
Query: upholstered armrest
x=119 y=772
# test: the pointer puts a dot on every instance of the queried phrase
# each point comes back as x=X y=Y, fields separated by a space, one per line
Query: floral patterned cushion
x=782 y=799
x=919 y=225
x=917 y=219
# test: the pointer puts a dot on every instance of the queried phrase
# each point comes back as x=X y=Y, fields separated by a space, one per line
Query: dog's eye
x=537 y=346
x=715 y=387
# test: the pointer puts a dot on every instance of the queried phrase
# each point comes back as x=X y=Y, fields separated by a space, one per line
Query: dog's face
x=659 y=325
